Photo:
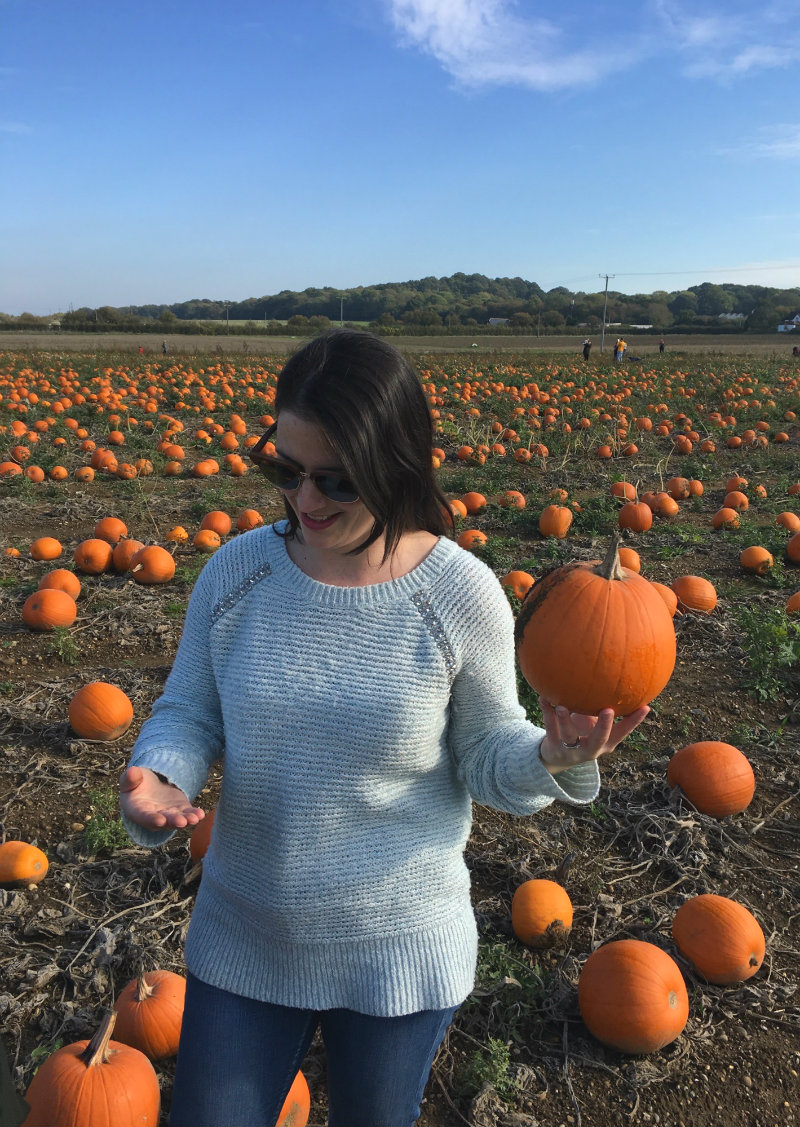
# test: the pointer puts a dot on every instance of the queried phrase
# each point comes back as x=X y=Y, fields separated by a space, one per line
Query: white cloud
x=502 y=43
x=778 y=142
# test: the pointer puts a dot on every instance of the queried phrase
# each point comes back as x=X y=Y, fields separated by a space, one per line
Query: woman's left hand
x=572 y=738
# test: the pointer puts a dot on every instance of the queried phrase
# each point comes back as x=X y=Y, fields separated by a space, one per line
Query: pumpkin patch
x=512 y=436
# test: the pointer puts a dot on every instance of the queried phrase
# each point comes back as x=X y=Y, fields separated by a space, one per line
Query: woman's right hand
x=148 y=802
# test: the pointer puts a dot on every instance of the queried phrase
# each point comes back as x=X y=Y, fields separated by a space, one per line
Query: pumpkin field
x=662 y=987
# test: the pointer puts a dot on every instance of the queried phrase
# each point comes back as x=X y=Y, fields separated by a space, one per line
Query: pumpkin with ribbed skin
x=720 y=937
x=757 y=560
x=150 y=1013
x=152 y=564
x=97 y=1083
x=46 y=548
x=218 y=521
x=595 y=635
x=123 y=554
x=555 y=521
x=100 y=711
x=632 y=996
x=695 y=593
x=21 y=864
x=636 y=516
x=715 y=776
x=48 y=609
x=111 y=529
x=541 y=913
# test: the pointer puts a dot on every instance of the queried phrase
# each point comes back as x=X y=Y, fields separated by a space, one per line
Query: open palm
x=152 y=804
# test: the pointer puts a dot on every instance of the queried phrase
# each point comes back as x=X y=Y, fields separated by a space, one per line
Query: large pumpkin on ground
x=595 y=635
x=716 y=777
x=720 y=937
x=632 y=996
x=97 y=1083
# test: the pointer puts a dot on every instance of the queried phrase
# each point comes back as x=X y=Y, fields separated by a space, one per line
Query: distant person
x=617 y=353
x=587 y=348
x=661 y=346
x=796 y=350
x=141 y=349
x=164 y=347
x=621 y=346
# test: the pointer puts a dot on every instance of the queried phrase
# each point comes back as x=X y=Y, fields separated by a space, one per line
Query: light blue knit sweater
x=356 y=726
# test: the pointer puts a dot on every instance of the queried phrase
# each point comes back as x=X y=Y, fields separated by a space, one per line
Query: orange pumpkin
x=793 y=548
x=695 y=593
x=788 y=520
x=150 y=1013
x=297 y=1105
x=715 y=776
x=93 y=556
x=248 y=519
x=61 y=580
x=555 y=521
x=632 y=996
x=595 y=635
x=201 y=836
x=21 y=864
x=541 y=913
x=99 y=1082
x=669 y=597
x=100 y=711
x=630 y=558
x=124 y=552
x=474 y=502
x=152 y=565
x=793 y=603
x=736 y=500
x=636 y=516
x=720 y=937
x=206 y=540
x=48 y=609
x=217 y=521
x=46 y=548
x=518 y=583
x=111 y=529
x=471 y=538
x=725 y=518
x=757 y=560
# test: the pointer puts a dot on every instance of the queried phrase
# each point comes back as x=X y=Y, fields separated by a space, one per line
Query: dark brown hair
x=369 y=401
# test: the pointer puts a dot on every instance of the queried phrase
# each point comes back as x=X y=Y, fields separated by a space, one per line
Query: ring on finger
x=570 y=747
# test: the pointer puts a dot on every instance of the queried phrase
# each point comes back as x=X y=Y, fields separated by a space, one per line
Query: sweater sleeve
x=184 y=733
x=495 y=747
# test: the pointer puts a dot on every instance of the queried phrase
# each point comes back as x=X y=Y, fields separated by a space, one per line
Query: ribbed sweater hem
x=427 y=968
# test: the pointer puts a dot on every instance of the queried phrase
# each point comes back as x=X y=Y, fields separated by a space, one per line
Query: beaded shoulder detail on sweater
x=422 y=602
x=239 y=591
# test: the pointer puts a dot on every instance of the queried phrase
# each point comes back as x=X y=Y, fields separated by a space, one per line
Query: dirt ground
x=518 y=1054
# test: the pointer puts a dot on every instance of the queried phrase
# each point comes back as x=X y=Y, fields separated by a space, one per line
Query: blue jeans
x=238 y=1057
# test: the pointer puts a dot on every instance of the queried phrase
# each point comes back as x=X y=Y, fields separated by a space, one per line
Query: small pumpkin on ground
x=93 y=556
x=61 y=579
x=720 y=937
x=555 y=520
x=541 y=913
x=46 y=548
x=471 y=538
x=518 y=583
x=99 y=1082
x=632 y=996
x=150 y=1013
x=100 y=711
x=695 y=593
x=206 y=540
x=21 y=864
x=757 y=560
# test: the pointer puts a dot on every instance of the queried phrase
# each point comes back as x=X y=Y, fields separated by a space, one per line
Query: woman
x=355 y=670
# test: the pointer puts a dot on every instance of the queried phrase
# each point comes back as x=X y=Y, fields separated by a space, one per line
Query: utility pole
x=605 y=306
x=341 y=311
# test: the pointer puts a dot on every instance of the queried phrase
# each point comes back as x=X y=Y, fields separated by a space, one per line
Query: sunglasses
x=335 y=486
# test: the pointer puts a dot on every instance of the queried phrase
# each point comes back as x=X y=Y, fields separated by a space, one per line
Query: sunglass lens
x=339 y=489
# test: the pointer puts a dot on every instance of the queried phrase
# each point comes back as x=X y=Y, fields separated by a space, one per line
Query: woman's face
x=325 y=525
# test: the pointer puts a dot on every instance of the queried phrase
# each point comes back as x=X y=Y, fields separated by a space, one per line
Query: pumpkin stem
x=143 y=990
x=611 y=568
x=96 y=1052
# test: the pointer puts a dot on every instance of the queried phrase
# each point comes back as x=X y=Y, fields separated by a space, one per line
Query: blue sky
x=159 y=152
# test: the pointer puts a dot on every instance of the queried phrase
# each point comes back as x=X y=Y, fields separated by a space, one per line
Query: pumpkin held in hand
x=595 y=635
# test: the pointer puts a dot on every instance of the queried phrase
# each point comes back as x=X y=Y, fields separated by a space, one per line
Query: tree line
x=459 y=303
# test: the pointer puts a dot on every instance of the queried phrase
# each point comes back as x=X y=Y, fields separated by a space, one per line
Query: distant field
x=768 y=344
